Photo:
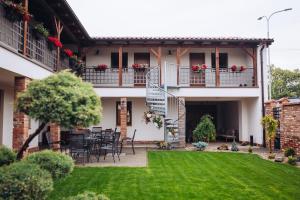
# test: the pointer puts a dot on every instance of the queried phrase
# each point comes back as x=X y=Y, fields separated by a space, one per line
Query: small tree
x=62 y=98
x=270 y=125
x=205 y=130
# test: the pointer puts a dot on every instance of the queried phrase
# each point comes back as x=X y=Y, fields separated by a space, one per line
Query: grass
x=188 y=175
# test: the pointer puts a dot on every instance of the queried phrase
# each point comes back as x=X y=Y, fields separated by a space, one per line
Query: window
x=129 y=113
x=197 y=58
x=115 y=60
x=223 y=60
x=142 y=58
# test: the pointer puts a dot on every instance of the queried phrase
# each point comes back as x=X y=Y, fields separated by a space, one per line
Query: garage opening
x=225 y=117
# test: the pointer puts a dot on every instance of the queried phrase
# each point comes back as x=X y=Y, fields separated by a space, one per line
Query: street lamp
x=268 y=36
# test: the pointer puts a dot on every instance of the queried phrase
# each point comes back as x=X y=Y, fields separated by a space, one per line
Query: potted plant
x=53 y=42
x=205 y=130
x=242 y=68
x=139 y=67
x=13 y=11
x=270 y=124
x=40 y=32
x=68 y=52
x=198 y=68
x=157 y=121
x=148 y=116
x=233 y=68
x=101 y=67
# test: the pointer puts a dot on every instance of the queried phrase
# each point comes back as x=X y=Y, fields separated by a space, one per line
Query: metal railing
x=207 y=77
x=110 y=77
x=12 y=35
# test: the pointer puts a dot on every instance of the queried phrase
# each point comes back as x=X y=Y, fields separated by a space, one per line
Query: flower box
x=139 y=67
x=235 y=68
x=101 y=67
x=54 y=42
x=68 y=52
x=13 y=11
x=198 y=68
x=40 y=32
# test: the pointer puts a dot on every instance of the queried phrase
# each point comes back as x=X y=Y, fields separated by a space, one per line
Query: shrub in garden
x=7 y=156
x=289 y=152
x=250 y=150
x=24 y=181
x=292 y=160
x=200 y=145
x=205 y=130
x=59 y=165
x=271 y=156
x=88 y=196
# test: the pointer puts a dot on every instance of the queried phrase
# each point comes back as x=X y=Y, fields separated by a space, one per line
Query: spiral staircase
x=163 y=103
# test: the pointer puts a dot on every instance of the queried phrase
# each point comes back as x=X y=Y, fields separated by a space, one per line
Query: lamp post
x=268 y=37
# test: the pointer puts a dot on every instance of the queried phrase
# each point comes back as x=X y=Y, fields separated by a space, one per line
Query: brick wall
x=289 y=122
x=55 y=135
x=290 y=126
x=181 y=122
x=20 y=120
x=123 y=117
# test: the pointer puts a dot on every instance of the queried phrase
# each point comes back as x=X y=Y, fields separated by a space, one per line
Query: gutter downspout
x=262 y=90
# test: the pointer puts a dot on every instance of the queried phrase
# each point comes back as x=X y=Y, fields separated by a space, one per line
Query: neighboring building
x=232 y=94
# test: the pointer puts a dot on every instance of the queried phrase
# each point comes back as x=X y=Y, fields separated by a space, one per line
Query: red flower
x=68 y=52
x=203 y=67
x=233 y=68
x=195 y=68
x=242 y=68
x=26 y=17
x=55 y=41
x=136 y=66
x=102 y=66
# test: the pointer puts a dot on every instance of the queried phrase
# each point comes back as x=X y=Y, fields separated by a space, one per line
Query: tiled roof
x=219 y=39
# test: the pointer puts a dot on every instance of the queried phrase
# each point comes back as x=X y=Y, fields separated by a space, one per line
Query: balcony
x=12 y=38
x=207 y=78
x=187 y=77
x=111 y=77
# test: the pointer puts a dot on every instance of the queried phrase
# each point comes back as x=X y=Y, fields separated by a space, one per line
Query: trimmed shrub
x=24 y=181
x=289 y=152
x=250 y=150
x=292 y=160
x=205 y=130
x=7 y=156
x=59 y=165
x=271 y=156
x=200 y=145
x=89 y=196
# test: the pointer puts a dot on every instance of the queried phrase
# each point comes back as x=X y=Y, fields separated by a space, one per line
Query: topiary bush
x=7 y=156
x=289 y=152
x=205 y=130
x=58 y=164
x=24 y=181
x=292 y=160
x=88 y=196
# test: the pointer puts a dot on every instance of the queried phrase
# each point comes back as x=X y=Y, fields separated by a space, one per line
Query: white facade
x=246 y=114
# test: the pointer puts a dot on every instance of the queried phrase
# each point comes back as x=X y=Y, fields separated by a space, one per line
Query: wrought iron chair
x=129 y=140
x=112 y=146
x=78 y=146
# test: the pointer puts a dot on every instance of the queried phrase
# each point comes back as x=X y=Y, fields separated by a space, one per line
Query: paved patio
x=127 y=159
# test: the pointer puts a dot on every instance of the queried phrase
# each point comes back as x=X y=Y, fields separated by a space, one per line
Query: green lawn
x=188 y=175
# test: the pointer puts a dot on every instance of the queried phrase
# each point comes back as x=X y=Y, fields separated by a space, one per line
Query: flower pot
x=139 y=69
x=72 y=62
x=37 y=35
x=100 y=69
x=12 y=15
x=51 y=46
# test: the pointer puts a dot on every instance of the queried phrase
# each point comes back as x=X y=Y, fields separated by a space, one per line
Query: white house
x=177 y=78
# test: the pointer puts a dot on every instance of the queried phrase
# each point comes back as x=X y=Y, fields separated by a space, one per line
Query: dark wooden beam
x=217 y=52
x=255 y=66
x=120 y=65
x=25 y=29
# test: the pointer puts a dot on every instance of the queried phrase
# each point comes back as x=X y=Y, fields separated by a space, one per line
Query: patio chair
x=128 y=140
x=112 y=146
x=78 y=146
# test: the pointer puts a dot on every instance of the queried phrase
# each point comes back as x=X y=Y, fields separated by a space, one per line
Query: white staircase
x=161 y=102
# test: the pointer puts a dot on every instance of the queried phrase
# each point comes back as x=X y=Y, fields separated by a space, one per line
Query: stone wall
x=181 y=122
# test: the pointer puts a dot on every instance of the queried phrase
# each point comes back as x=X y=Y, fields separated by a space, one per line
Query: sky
x=202 y=18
